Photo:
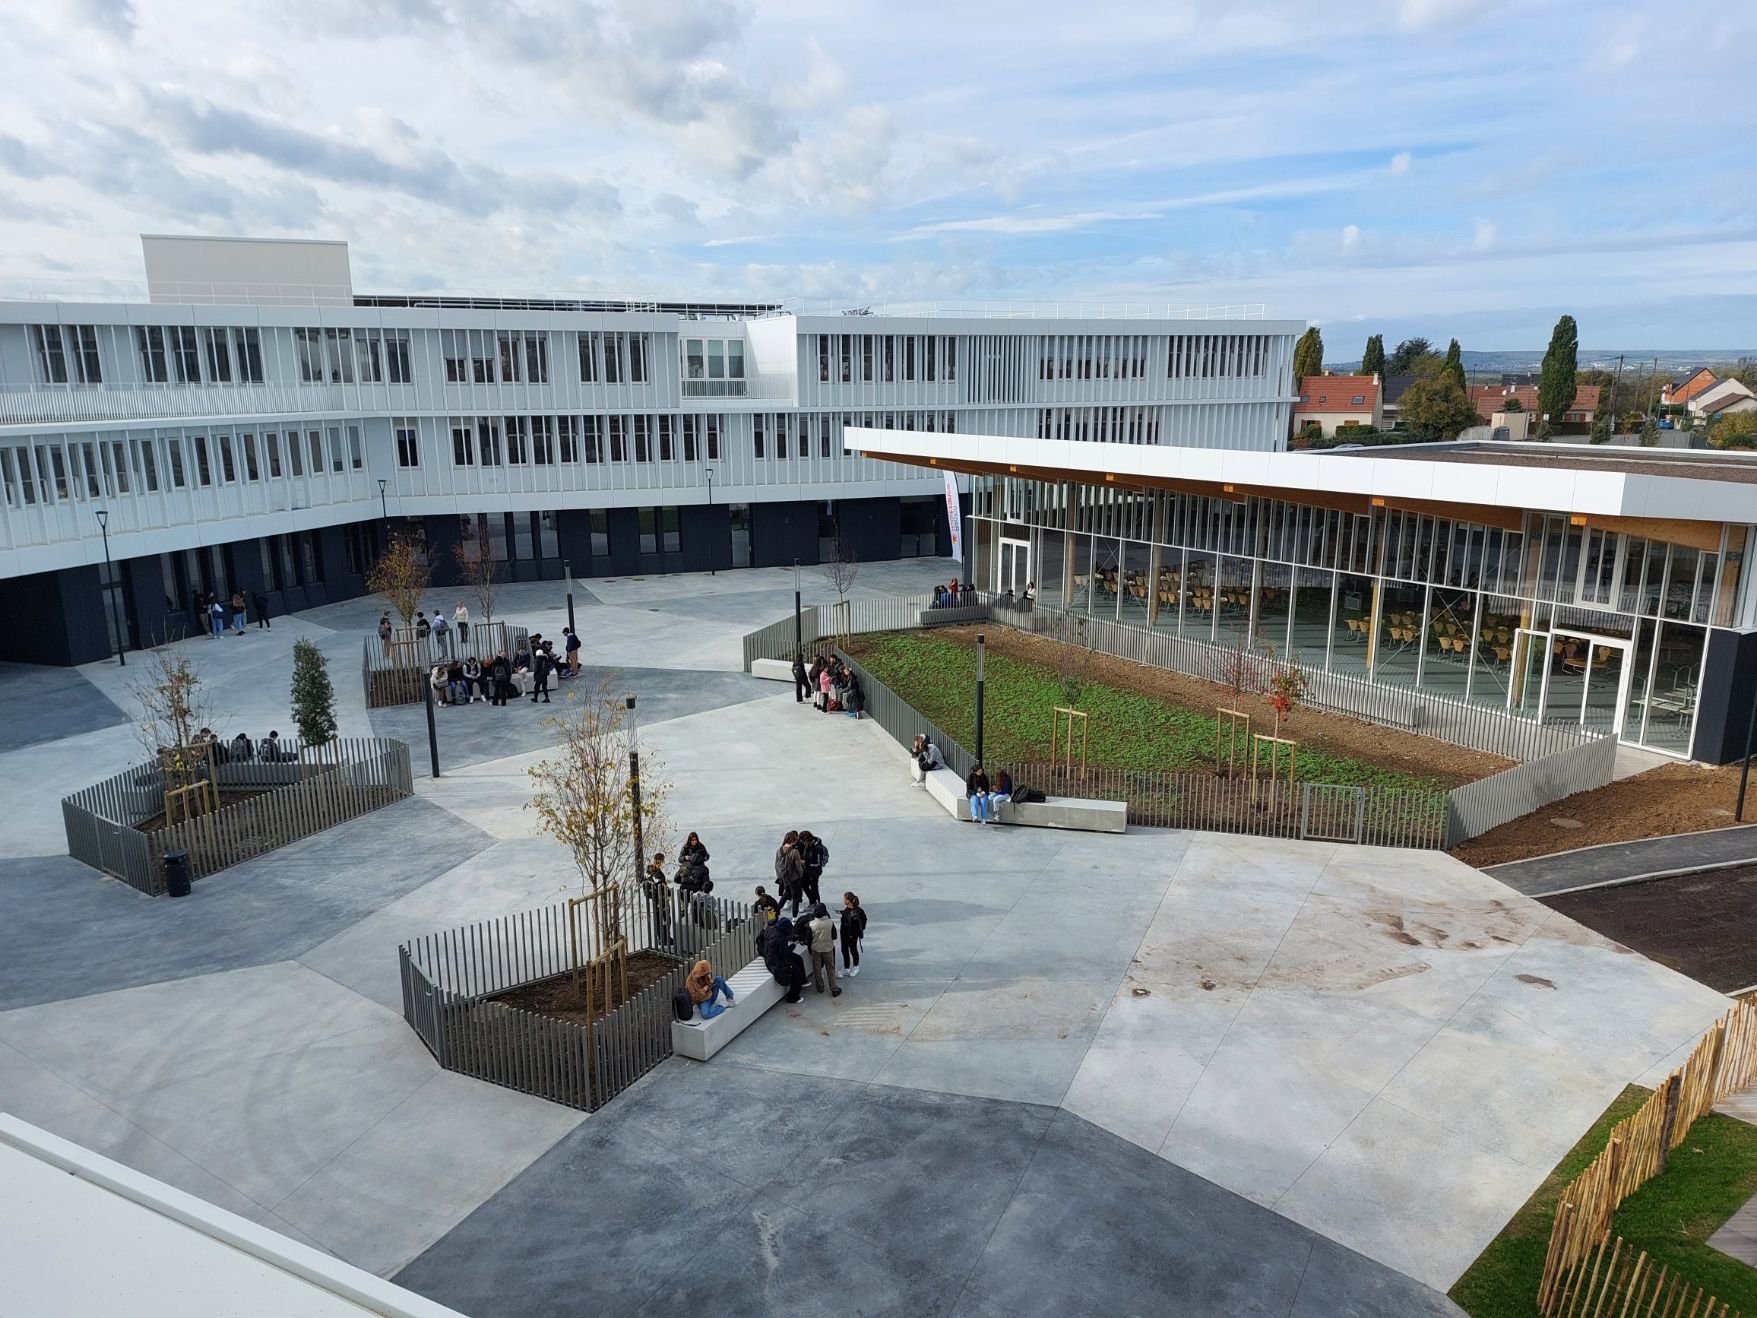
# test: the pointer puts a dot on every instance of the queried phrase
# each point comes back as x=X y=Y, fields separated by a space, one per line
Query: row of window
x=170 y=352
x=1092 y=357
x=68 y=354
x=344 y=356
x=49 y=472
x=517 y=441
x=1116 y=425
x=884 y=358
x=713 y=368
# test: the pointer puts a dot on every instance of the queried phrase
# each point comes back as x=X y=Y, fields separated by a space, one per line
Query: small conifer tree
x=314 y=698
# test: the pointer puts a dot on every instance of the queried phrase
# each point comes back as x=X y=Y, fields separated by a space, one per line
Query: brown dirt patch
x=1698 y=924
x=1663 y=802
x=157 y=822
x=1335 y=734
x=559 y=997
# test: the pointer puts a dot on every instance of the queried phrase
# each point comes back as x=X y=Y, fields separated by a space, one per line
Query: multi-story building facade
x=258 y=427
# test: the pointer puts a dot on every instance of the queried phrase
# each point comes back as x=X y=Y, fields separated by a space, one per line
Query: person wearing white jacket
x=460 y=618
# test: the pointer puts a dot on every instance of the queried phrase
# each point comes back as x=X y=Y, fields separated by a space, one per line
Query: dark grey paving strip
x=48 y=704
x=1620 y=861
x=730 y=1190
x=70 y=932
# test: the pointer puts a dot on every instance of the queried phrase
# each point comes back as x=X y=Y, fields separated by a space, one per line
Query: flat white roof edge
x=340 y=1278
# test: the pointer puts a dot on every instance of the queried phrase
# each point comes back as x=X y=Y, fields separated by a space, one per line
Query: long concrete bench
x=775 y=670
x=947 y=788
x=754 y=991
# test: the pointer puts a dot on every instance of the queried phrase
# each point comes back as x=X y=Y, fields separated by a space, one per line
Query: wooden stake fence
x=1577 y=1278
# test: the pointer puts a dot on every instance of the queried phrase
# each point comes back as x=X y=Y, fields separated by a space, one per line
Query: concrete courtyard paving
x=1352 y=1064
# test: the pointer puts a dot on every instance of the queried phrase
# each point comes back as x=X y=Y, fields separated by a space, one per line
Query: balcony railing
x=37 y=405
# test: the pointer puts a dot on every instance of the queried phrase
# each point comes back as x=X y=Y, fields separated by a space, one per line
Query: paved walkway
x=1386 y=1048
x=1542 y=876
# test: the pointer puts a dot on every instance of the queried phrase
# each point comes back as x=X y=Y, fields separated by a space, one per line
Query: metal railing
x=1502 y=797
x=393 y=672
x=1026 y=310
x=311 y=789
x=821 y=625
x=46 y=404
x=451 y=981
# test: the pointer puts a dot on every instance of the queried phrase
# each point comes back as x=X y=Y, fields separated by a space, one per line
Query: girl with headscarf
x=706 y=989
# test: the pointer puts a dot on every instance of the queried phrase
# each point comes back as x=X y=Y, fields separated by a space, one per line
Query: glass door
x=1531 y=654
x=1589 y=681
x=1014 y=568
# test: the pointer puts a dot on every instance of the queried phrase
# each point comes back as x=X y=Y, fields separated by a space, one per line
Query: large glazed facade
x=269 y=446
x=1588 y=589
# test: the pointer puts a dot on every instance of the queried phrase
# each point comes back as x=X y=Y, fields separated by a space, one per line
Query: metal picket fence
x=305 y=790
x=1490 y=802
x=821 y=625
x=393 y=672
x=451 y=981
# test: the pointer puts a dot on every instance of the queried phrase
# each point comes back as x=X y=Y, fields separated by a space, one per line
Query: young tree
x=1556 y=384
x=840 y=572
x=1455 y=363
x=1649 y=436
x=1512 y=404
x=1734 y=430
x=1601 y=428
x=401 y=575
x=1071 y=659
x=1436 y=408
x=582 y=792
x=175 y=711
x=314 y=698
x=1406 y=354
x=479 y=566
x=1308 y=355
x=1372 y=361
x=1286 y=689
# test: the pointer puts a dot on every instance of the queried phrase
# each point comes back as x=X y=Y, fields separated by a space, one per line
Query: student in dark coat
x=853 y=930
x=542 y=665
x=801 y=681
x=500 y=674
x=775 y=946
x=261 y=602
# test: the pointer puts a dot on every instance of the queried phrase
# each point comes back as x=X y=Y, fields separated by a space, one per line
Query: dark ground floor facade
x=81 y=614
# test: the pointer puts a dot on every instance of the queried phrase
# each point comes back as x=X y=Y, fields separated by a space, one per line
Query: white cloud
x=1401 y=162
x=1484 y=234
x=1350 y=237
x=1420 y=15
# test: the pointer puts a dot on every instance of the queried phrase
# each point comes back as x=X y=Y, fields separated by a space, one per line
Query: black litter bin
x=177 y=873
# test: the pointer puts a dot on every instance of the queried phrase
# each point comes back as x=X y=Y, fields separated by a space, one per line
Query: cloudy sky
x=1444 y=167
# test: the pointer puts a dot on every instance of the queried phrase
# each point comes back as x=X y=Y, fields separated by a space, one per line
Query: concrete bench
x=774 y=670
x=947 y=788
x=754 y=991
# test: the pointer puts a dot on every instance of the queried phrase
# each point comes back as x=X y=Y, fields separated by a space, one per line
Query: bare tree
x=480 y=567
x=583 y=797
x=1071 y=658
x=174 y=725
x=401 y=575
x=1237 y=669
x=840 y=572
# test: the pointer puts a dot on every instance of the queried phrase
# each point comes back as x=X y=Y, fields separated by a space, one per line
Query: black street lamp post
x=634 y=792
x=110 y=591
x=384 y=510
x=798 y=627
x=432 y=732
x=567 y=571
x=981 y=648
x=716 y=540
x=1745 y=767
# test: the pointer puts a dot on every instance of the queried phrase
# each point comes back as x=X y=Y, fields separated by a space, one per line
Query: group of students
x=830 y=685
x=986 y=797
x=211 y=607
x=242 y=750
x=815 y=937
x=526 y=671
x=693 y=883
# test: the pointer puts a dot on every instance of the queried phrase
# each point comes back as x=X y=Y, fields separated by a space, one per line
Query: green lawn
x=1126 y=730
x=1706 y=1180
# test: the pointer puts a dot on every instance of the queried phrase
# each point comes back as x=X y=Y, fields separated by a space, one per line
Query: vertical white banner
x=954 y=518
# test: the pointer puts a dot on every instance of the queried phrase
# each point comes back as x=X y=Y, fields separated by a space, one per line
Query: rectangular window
x=548 y=538
x=147 y=464
x=488 y=441
x=908 y=356
x=51 y=354
x=713 y=439
x=228 y=472
x=309 y=343
x=523 y=541
x=537 y=357
x=314 y=438
x=517 y=441
x=335 y=448
x=511 y=359
x=203 y=471
x=251 y=471
x=88 y=366
x=756 y=428
x=649 y=518
x=618 y=451
x=568 y=426
x=612 y=359
x=463 y=446
x=866 y=358
x=594 y=437
x=735 y=360
x=341 y=355
x=665 y=453
x=543 y=440
x=695 y=360
x=271 y=444
x=481 y=357
x=671 y=528
x=600 y=523
x=716 y=359
x=396 y=359
x=457 y=366
x=824 y=438
x=408 y=442
x=295 y=455
x=150 y=340
x=368 y=362
x=781 y=436
x=691 y=424
x=219 y=354
x=951 y=363
x=356 y=459
x=116 y=461
x=637 y=358
x=642 y=451
x=247 y=353
x=588 y=359
x=823 y=359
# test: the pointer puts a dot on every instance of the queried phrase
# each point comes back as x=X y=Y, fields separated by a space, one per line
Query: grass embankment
x=1706 y=1180
x=1126 y=729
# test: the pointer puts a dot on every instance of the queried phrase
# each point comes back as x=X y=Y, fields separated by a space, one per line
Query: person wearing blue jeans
x=977 y=790
x=706 y=989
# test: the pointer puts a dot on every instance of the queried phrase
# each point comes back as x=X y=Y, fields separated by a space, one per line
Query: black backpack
x=820 y=853
x=681 y=1005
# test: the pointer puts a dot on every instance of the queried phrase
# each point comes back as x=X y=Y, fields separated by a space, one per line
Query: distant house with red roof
x=1491 y=398
x=1338 y=400
x=1682 y=388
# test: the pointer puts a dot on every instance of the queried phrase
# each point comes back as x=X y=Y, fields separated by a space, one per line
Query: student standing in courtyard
x=571 y=649
x=384 y=630
x=441 y=635
x=541 y=666
x=500 y=674
x=814 y=855
x=801 y=681
x=853 y=931
x=238 y=611
x=460 y=618
x=261 y=602
x=823 y=949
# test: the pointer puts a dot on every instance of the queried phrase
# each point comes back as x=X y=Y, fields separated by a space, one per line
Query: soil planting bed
x=1333 y=748
x=1698 y=924
x=560 y=996
x=1663 y=802
x=157 y=822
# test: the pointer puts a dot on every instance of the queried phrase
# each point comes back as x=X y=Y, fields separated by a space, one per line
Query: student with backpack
x=789 y=872
x=814 y=855
x=823 y=949
x=767 y=909
x=775 y=945
x=853 y=931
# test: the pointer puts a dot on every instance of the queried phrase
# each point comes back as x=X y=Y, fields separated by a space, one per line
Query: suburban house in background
x=1489 y=399
x=1722 y=396
x=1391 y=405
x=1683 y=388
x=1338 y=400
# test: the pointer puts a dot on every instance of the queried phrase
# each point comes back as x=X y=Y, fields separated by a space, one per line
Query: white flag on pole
x=954 y=518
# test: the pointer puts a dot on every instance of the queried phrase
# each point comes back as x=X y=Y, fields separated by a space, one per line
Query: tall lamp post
x=103 y=515
x=981 y=650
x=798 y=629
x=634 y=792
x=1745 y=765
x=710 y=471
x=432 y=731
x=384 y=510
x=567 y=571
